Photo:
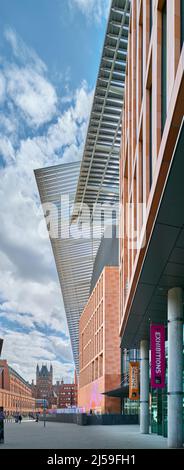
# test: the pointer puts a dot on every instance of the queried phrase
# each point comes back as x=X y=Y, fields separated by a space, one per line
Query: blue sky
x=49 y=58
x=68 y=41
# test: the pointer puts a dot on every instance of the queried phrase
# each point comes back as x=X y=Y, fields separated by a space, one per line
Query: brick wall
x=99 y=345
x=15 y=393
x=147 y=144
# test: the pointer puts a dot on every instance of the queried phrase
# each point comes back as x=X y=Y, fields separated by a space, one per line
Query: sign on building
x=157 y=335
x=134 y=381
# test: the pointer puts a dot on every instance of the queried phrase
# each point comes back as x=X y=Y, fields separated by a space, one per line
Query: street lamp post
x=16 y=413
x=44 y=411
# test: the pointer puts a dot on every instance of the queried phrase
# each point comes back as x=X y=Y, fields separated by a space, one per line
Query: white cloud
x=8 y=125
x=29 y=289
x=31 y=93
x=28 y=259
x=22 y=52
x=30 y=296
x=2 y=87
x=6 y=149
x=70 y=127
x=93 y=9
x=24 y=350
x=82 y=103
x=25 y=80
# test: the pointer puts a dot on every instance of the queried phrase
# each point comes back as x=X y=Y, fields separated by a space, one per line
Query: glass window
x=151 y=16
x=142 y=60
x=182 y=22
x=164 y=65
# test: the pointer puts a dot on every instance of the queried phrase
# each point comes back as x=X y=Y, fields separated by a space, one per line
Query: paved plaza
x=32 y=435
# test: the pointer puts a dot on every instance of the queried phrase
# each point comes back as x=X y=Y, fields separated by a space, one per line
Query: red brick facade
x=99 y=345
x=67 y=395
x=44 y=384
x=15 y=392
x=149 y=135
x=59 y=395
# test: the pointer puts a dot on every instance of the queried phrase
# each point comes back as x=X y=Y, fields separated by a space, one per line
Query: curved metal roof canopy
x=74 y=257
x=97 y=179
x=99 y=173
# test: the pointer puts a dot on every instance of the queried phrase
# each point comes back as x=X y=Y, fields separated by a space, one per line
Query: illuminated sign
x=134 y=381
x=157 y=334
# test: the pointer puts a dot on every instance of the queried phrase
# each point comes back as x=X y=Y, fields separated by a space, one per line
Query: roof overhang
x=74 y=257
x=99 y=173
x=163 y=266
x=121 y=392
x=97 y=179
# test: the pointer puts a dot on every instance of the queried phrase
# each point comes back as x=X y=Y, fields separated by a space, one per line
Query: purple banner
x=157 y=334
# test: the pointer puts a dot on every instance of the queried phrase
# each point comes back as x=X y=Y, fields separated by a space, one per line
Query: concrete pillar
x=175 y=367
x=144 y=387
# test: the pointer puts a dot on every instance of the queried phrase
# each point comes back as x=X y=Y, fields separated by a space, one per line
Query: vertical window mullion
x=164 y=65
x=151 y=16
x=182 y=21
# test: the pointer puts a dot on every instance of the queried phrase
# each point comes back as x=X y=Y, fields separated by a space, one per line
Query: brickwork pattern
x=99 y=345
x=147 y=148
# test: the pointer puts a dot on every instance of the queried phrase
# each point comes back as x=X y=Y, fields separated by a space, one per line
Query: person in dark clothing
x=2 y=418
x=20 y=419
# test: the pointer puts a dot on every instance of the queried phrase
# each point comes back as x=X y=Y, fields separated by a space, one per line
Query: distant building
x=15 y=392
x=66 y=393
x=99 y=349
x=58 y=395
x=44 y=383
